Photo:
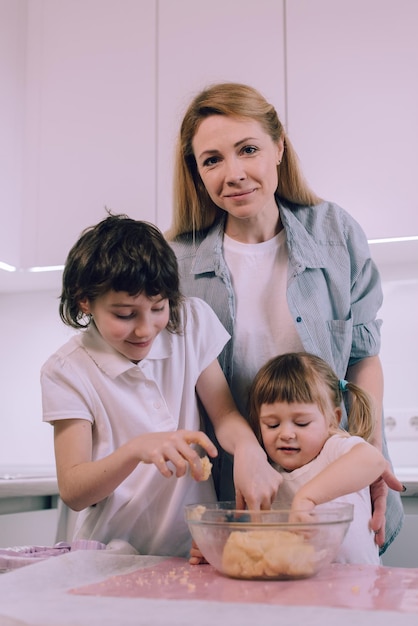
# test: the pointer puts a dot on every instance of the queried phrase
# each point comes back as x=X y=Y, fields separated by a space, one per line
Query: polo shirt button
x=157 y=405
x=298 y=319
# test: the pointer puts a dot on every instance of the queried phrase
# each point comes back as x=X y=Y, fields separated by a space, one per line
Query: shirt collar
x=112 y=362
x=303 y=248
x=209 y=249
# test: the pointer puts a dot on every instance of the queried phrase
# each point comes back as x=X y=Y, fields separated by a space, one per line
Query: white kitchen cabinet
x=201 y=43
x=97 y=94
x=352 y=106
x=12 y=72
x=34 y=528
x=90 y=119
x=96 y=89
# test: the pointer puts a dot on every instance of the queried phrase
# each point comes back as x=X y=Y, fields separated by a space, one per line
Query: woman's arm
x=256 y=481
x=83 y=482
x=368 y=374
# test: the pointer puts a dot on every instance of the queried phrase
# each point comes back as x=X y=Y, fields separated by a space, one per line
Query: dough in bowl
x=268 y=554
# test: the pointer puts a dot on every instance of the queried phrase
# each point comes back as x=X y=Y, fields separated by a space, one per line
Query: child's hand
x=196 y=557
x=301 y=511
x=175 y=447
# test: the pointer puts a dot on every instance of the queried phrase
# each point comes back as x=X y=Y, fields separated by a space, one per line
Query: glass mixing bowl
x=268 y=545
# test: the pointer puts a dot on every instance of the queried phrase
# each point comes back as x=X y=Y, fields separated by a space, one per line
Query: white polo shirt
x=87 y=379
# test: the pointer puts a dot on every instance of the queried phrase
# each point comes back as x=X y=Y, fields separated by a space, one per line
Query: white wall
x=30 y=330
x=399 y=336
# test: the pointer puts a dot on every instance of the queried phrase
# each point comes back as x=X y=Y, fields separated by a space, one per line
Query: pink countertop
x=341 y=586
x=98 y=588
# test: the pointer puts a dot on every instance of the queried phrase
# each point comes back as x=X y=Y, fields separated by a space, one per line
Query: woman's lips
x=239 y=194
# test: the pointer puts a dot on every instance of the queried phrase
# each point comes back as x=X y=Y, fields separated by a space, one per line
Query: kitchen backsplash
x=30 y=330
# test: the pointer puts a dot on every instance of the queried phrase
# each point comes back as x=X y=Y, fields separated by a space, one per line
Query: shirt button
x=157 y=405
x=298 y=319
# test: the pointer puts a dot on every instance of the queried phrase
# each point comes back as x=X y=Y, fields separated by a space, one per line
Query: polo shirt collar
x=112 y=362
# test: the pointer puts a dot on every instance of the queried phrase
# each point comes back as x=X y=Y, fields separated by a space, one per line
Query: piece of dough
x=206 y=466
x=268 y=554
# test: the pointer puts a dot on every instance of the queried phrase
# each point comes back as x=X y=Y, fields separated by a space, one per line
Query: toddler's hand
x=301 y=510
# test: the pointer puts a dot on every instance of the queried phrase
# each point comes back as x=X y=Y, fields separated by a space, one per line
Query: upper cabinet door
x=201 y=43
x=352 y=106
x=12 y=96
x=90 y=120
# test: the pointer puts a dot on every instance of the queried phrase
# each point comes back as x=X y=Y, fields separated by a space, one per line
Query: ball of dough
x=206 y=466
x=268 y=554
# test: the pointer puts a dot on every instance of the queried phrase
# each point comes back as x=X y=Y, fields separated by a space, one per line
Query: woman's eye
x=210 y=161
x=249 y=149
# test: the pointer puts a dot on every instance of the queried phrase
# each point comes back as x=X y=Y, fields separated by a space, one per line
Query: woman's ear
x=84 y=305
x=280 y=150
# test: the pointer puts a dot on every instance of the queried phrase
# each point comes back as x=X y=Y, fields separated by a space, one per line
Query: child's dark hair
x=119 y=254
x=307 y=379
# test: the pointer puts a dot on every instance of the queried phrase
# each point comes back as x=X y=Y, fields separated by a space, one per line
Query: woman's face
x=237 y=161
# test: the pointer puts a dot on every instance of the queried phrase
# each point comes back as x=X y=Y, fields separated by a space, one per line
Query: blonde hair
x=193 y=208
x=307 y=379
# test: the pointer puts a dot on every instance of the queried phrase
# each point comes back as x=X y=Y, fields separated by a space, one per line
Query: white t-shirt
x=263 y=326
x=358 y=545
x=88 y=379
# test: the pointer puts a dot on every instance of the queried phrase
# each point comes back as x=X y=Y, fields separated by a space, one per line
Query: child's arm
x=256 y=482
x=83 y=482
x=354 y=470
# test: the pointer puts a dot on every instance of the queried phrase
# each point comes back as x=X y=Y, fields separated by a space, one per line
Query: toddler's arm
x=354 y=470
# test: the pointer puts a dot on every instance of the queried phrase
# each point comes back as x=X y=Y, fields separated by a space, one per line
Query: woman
x=284 y=270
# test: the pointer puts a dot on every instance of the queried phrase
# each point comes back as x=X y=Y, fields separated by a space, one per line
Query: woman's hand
x=256 y=481
x=378 y=494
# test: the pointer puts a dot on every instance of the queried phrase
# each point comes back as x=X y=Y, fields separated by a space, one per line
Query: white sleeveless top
x=263 y=325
